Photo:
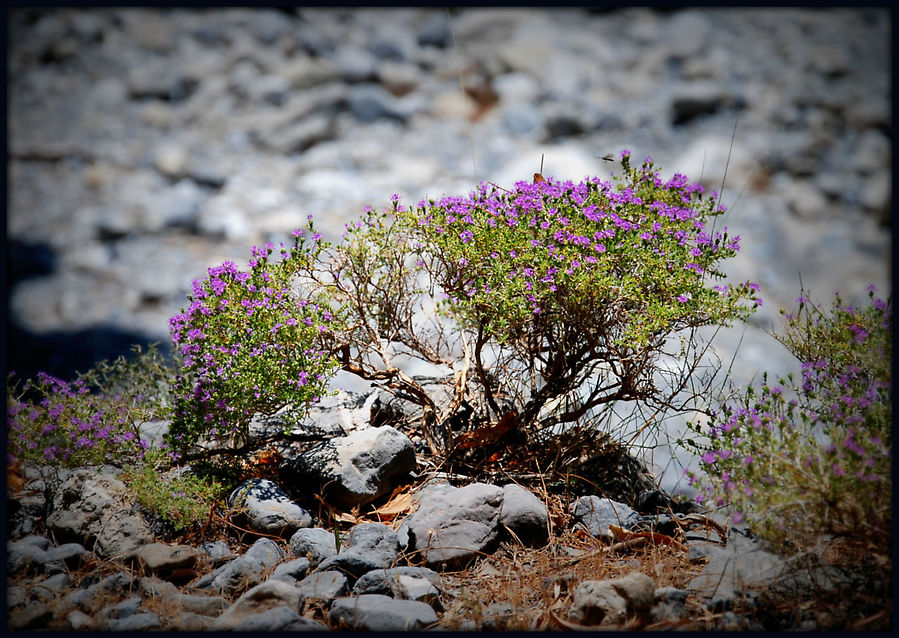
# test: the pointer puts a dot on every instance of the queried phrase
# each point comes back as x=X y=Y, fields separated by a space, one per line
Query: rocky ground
x=356 y=533
x=359 y=532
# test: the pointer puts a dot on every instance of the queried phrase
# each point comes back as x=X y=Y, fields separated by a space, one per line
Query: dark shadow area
x=63 y=353
x=26 y=259
x=60 y=353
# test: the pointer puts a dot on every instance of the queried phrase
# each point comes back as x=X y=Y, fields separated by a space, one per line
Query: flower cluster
x=92 y=420
x=630 y=259
x=812 y=455
x=247 y=342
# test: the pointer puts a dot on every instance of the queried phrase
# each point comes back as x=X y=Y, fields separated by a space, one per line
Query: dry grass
x=538 y=582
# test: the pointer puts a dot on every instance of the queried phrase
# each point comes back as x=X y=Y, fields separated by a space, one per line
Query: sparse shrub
x=94 y=419
x=557 y=296
x=801 y=459
x=249 y=345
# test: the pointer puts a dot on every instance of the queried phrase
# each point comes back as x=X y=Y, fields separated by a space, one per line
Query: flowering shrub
x=92 y=420
x=247 y=342
x=580 y=284
x=807 y=457
x=552 y=291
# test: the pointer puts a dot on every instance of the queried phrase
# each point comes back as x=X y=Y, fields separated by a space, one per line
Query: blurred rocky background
x=146 y=145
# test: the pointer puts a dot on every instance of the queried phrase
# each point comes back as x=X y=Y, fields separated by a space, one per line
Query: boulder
x=95 y=510
x=355 y=469
x=453 y=525
x=266 y=508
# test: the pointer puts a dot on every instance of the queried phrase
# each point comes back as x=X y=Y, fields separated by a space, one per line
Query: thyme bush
x=802 y=458
x=94 y=419
x=249 y=345
x=558 y=296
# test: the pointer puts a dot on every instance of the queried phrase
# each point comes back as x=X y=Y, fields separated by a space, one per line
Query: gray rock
x=244 y=571
x=670 y=605
x=34 y=616
x=374 y=612
x=406 y=582
x=198 y=605
x=523 y=119
x=266 y=551
x=453 y=525
x=610 y=602
x=15 y=596
x=216 y=551
x=172 y=562
x=51 y=587
x=265 y=507
x=324 y=585
x=595 y=514
x=144 y=621
x=355 y=469
x=269 y=25
x=33 y=555
x=87 y=598
x=268 y=595
x=524 y=514
x=694 y=99
x=370 y=102
x=187 y=621
x=80 y=621
x=314 y=543
x=435 y=31
x=355 y=64
x=123 y=609
x=94 y=510
x=369 y=546
x=278 y=619
x=153 y=587
x=398 y=77
x=292 y=571
x=735 y=570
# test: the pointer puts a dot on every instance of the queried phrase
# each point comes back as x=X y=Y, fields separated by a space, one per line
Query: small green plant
x=249 y=345
x=94 y=419
x=800 y=459
x=184 y=500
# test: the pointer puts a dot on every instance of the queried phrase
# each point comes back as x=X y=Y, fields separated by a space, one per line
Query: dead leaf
x=488 y=434
x=656 y=539
x=399 y=504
